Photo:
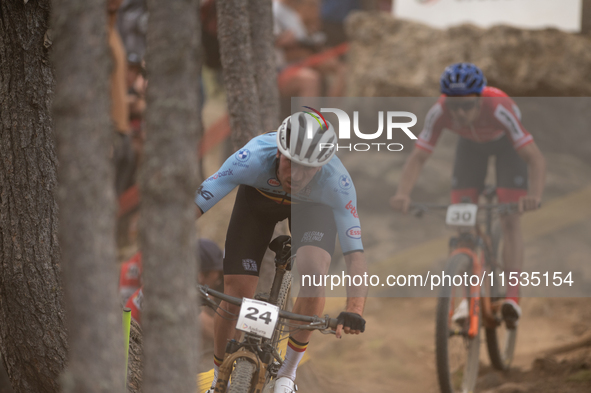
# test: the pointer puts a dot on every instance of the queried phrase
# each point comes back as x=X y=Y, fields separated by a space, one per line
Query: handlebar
x=501 y=208
x=316 y=322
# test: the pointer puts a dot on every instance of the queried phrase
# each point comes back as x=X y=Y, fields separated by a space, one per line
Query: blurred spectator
x=136 y=87
x=136 y=99
x=209 y=35
x=298 y=36
x=122 y=151
x=333 y=14
x=132 y=23
x=210 y=274
x=211 y=266
x=130 y=277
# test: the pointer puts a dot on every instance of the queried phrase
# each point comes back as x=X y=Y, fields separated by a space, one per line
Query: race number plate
x=258 y=318
x=461 y=214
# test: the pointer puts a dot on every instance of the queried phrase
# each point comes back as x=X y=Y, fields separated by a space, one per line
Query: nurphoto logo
x=392 y=119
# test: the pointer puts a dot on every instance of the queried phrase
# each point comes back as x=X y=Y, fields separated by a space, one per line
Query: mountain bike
x=463 y=309
x=253 y=361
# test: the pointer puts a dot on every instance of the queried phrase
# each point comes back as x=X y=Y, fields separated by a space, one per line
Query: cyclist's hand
x=529 y=202
x=400 y=202
x=350 y=323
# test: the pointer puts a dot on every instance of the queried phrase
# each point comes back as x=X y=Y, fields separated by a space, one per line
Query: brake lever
x=205 y=296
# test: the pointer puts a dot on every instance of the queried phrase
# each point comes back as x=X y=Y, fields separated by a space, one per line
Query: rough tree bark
x=168 y=181
x=265 y=65
x=86 y=197
x=32 y=327
x=237 y=62
x=260 y=13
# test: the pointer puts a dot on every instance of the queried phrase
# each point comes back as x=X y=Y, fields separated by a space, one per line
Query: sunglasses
x=456 y=103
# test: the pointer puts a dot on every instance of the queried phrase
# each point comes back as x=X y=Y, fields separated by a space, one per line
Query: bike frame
x=478 y=246
x=474 y=251
x=258 y=350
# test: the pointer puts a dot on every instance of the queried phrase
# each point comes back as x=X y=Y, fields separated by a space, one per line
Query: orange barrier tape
x=128 y=201
x=215 y=134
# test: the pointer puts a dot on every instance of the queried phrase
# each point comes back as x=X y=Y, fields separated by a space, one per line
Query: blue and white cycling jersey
x=255 y=165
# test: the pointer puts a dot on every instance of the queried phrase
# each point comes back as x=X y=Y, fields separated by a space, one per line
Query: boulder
x=392 y=57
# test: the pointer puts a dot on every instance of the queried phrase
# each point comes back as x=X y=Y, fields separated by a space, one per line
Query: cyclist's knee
x=312 y=260
x=227 y=310
x=240 y=285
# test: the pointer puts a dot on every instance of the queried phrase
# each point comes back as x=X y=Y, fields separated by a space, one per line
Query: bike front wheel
x=241 y=379
x=500 y=341
x=283 y=304
x=456 y=352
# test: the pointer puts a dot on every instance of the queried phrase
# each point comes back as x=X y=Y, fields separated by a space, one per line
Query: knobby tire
x=500 y=341
x=241 y=379
x=463 y=377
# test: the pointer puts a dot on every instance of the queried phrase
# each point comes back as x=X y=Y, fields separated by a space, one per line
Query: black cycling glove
x=351 y=320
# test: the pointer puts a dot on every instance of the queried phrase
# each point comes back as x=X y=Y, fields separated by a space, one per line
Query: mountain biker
x=276 y=173
x=488 y=123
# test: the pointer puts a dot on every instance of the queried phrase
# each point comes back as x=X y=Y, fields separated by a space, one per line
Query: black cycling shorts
x=252 y=223
x=471 y=164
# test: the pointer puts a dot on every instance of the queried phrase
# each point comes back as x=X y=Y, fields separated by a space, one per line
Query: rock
x=547 y=365
x=511 y=387
x=390 y=57
x=490 y=380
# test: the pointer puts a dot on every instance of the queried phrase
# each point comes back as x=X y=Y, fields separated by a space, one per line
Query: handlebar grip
x=332 y=323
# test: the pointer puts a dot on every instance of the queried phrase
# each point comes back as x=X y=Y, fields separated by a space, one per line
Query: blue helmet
x=461 y=79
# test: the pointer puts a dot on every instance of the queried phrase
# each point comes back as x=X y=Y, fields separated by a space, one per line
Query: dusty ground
x=396 y=353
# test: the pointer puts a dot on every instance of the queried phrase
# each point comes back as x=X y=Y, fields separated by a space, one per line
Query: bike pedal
x=511 y=313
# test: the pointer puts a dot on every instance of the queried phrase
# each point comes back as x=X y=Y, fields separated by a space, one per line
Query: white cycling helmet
x=306 y=139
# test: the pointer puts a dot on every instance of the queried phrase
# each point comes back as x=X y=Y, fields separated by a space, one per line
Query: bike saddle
x=281 y=246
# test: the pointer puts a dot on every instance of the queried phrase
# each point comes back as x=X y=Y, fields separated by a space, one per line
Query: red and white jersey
x=134 y=303
x=130 y=278
x=499 y=116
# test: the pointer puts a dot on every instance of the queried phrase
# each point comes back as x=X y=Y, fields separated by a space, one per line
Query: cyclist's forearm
x=538 y=179
x=537 y=169
x=355 y=304
x=356 y=294
x=537 y=176
x=411 y=171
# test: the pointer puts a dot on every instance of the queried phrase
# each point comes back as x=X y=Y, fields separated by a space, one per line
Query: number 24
x=266 y=316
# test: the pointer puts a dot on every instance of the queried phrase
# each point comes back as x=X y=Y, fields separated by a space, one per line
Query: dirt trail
x=396 y=353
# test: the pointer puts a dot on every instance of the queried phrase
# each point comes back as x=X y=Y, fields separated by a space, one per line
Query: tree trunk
x=86 y=197
x=237 y=62
x=265 y=65
x=32 y=327
x=265 y=72
x=5 y=384
x=168 y=181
